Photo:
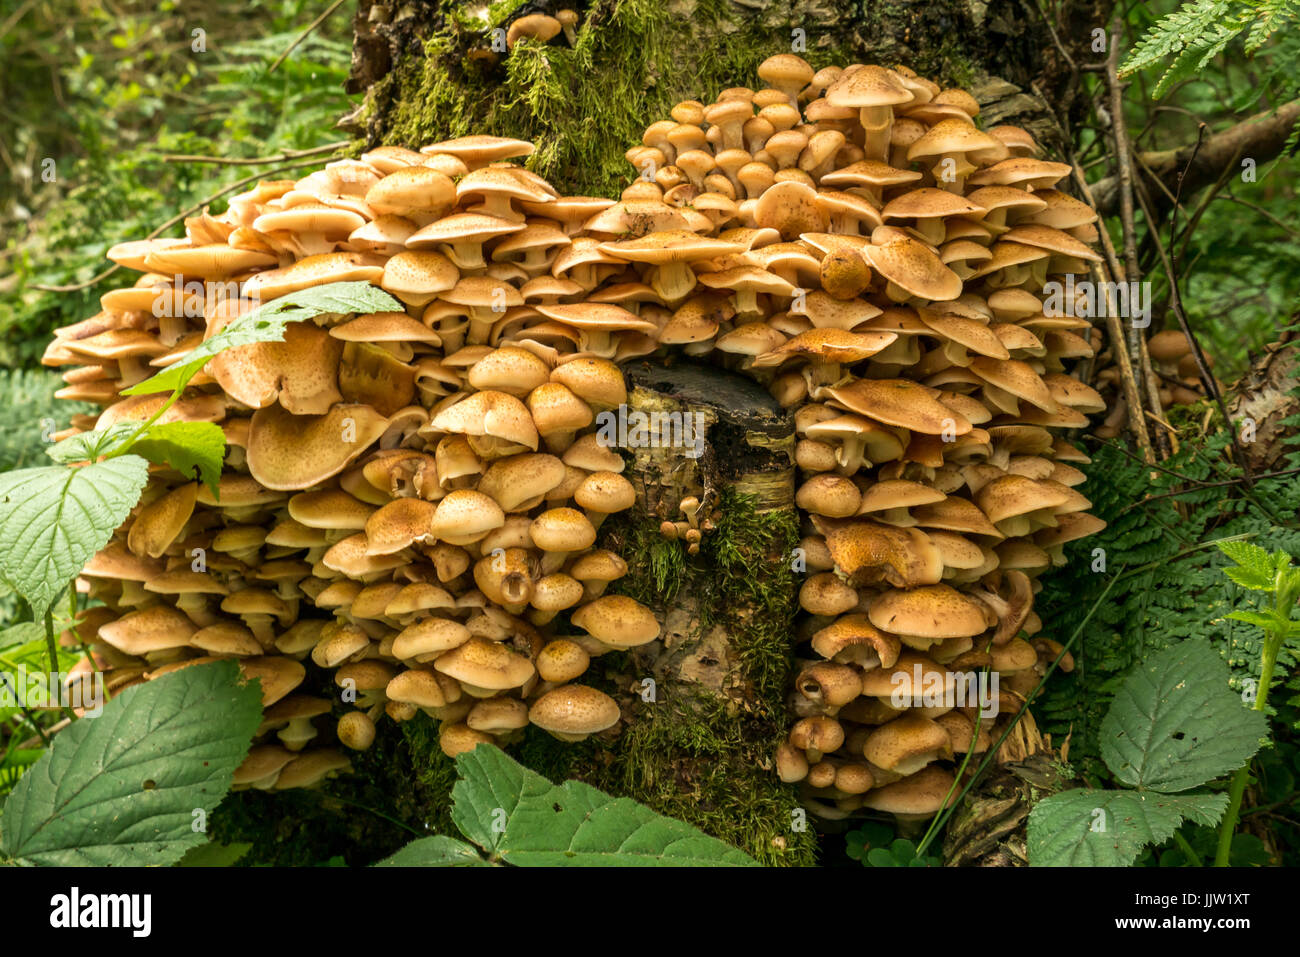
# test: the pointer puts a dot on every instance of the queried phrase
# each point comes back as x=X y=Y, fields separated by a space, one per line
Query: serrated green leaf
x=436 y=851
x=195 y=449
x=1254 y=564
x=1265 y=621
x=90 y=446
x=267 y=323
x=1174 y=724
x=489 y=790
x=53 y=519
x=1093 y=828
x=122 y=788
x=529 y=822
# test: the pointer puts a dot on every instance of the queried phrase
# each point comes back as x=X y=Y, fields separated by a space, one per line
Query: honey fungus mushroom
x=417 y=501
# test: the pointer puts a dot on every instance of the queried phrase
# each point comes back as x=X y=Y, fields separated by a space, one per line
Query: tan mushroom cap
x=1017 y=378
x=617 y=621
x=867 y=551
x=916 y=796
x=791 y=208
x=889 y=494
x=562 y=530
x=493 y=421
x=572 y=712
x=907 y=744
x=417 y=276
x=930 y=612
x=157 y=628
x=828 y=345
x=115 y=561
x=398 y=525
x=314 y=271
x=311 y=768
x=301 y=371
x=288 y=451
x=562 y=660
x=478 y=150
x=912 y=267
x=429 y=636
x=278 y=675
x=852 y=638
x=484 y=664
x=262 y=766
x=598 y=382
x=329 y=508
x=160 y=522
x=902 y=403
x=464 y=516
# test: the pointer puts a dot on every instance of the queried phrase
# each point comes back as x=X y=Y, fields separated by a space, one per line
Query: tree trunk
x=706 y=708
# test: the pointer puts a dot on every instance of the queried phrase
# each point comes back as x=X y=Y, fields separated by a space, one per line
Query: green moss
x=582 y=106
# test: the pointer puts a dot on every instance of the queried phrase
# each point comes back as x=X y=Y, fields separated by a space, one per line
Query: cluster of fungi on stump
x=848 y=238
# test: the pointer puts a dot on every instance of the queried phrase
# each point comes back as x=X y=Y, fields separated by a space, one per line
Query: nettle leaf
x=91 y=446
x=1254 y=570
x=53 y=519
x=1092 y=828
x=530 y=822
x=267 y=323
x=1174 y=724
x=122 y=788
x=436 y=851
x=195 y=449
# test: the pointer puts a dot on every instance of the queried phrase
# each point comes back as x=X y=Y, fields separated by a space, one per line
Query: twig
x=1207 y=377
x=305 y=34
x=1132 y=271
x=254 y=161
x=93 y=280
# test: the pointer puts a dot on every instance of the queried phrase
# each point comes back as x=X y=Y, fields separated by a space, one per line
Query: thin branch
x=256 y=160
x=305 y=34
x=94 y=280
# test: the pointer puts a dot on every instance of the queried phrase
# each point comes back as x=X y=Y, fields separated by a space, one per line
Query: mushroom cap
x=311 y=768
x=866 y=551
x=156 y=628
x=598 y=316
x=903 y=403
x=617 y=621
x=160 y=522
x=479 y=149
x=398 y=525
x=464 y=516
x=562 y=530
x=574 y=709
x=301 y=371
x=287 y=451
x=910 y=265
x=485 y=664
x=498 y=715
x=868 y=86
x=329 y=508
x=828 y=345
x=670 y=246
x=263 y=761
x=518 y=482
x=1011 y=495
x=605 y=492
x=931 y=611
x=907 y=744
x=791 y=208
x=490 y=414
x=922 y=793
x=417 y=686
x=278 y=675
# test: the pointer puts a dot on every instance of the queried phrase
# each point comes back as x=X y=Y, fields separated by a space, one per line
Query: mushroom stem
x=877 y=125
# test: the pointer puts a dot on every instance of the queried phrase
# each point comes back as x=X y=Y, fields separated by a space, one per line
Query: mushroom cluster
x=1178 y=379
x=409 y=498
x=880 y=263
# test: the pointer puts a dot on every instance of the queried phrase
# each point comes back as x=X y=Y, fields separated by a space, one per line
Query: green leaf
x=504 y=807
x=122 y=789
x=1268 y=622
x=267 y=323
x=1091 y=828
x=1174 y=724
x=90 y=446
x=53 y=519
x=212 y=854
x=195 y=449
x=1255 y=569
x=436 y=851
